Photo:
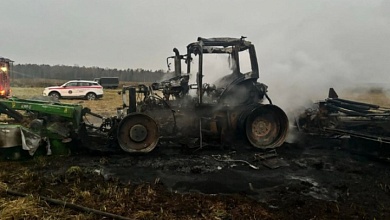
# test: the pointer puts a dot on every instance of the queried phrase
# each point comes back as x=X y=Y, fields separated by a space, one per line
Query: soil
x=316 y=178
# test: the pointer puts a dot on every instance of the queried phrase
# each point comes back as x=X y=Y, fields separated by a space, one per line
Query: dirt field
x=314 y=178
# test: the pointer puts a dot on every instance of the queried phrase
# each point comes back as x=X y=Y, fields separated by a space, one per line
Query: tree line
x=85 y=73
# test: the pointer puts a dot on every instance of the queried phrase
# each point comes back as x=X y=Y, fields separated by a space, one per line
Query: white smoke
x=339 y=44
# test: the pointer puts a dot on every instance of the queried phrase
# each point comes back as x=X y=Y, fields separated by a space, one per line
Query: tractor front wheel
x=266 y=127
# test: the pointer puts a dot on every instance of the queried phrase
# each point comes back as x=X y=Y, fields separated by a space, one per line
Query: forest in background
x=61 y=72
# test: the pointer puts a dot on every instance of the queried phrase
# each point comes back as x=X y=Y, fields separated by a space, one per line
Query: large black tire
x=91 y=96
x=266 y=126
x=55 y=95
x=138 y=133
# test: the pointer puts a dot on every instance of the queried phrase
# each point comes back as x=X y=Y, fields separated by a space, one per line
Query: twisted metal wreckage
x=230 y=109
x=336 y=117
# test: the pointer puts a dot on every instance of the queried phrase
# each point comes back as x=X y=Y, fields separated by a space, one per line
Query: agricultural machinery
x=29 y=125
x=336 y=117
x=185 y=108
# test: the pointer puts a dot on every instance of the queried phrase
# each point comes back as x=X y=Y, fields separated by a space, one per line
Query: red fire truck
x=5 y=76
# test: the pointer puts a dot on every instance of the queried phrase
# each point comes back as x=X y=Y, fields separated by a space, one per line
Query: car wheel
x=55 y=95
x=91 y=96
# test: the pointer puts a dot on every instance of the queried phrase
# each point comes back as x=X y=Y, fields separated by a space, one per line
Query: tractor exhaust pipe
x=177 y=62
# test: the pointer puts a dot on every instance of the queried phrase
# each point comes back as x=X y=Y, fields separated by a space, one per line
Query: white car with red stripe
x=75 y=89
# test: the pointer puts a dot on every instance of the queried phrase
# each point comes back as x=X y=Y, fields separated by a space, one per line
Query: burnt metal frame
x=222 y=45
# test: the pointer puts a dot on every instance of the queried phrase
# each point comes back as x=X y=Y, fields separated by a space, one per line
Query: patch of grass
x=379 y=97
x=74 y=170
x=34 y=82
x=144 y=214
x=106 y=106
x=40 y=161
x=21 y=208
x=76 y=184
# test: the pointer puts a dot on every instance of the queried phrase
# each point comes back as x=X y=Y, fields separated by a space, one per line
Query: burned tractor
x=186 y=107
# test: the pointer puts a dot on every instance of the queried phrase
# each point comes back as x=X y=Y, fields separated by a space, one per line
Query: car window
x=71 y=84
x=83 y=84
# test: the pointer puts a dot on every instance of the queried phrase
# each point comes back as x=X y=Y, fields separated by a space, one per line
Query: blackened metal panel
x=132 y=101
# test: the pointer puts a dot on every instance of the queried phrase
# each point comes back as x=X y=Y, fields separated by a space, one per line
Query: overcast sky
x=310 y=41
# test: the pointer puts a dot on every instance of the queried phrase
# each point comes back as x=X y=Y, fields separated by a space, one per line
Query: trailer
x=108 y=82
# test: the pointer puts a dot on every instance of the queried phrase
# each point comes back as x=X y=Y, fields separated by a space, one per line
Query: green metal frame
x=70 y=111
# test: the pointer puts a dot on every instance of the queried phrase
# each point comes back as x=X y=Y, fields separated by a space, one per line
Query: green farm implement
x=37 y=127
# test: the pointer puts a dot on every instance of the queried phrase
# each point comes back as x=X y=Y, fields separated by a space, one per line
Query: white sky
x=302 y=41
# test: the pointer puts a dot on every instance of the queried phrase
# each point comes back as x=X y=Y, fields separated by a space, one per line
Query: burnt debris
x=336 y=116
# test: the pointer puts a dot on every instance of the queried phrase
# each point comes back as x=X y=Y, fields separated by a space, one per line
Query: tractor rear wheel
x=138 y=133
